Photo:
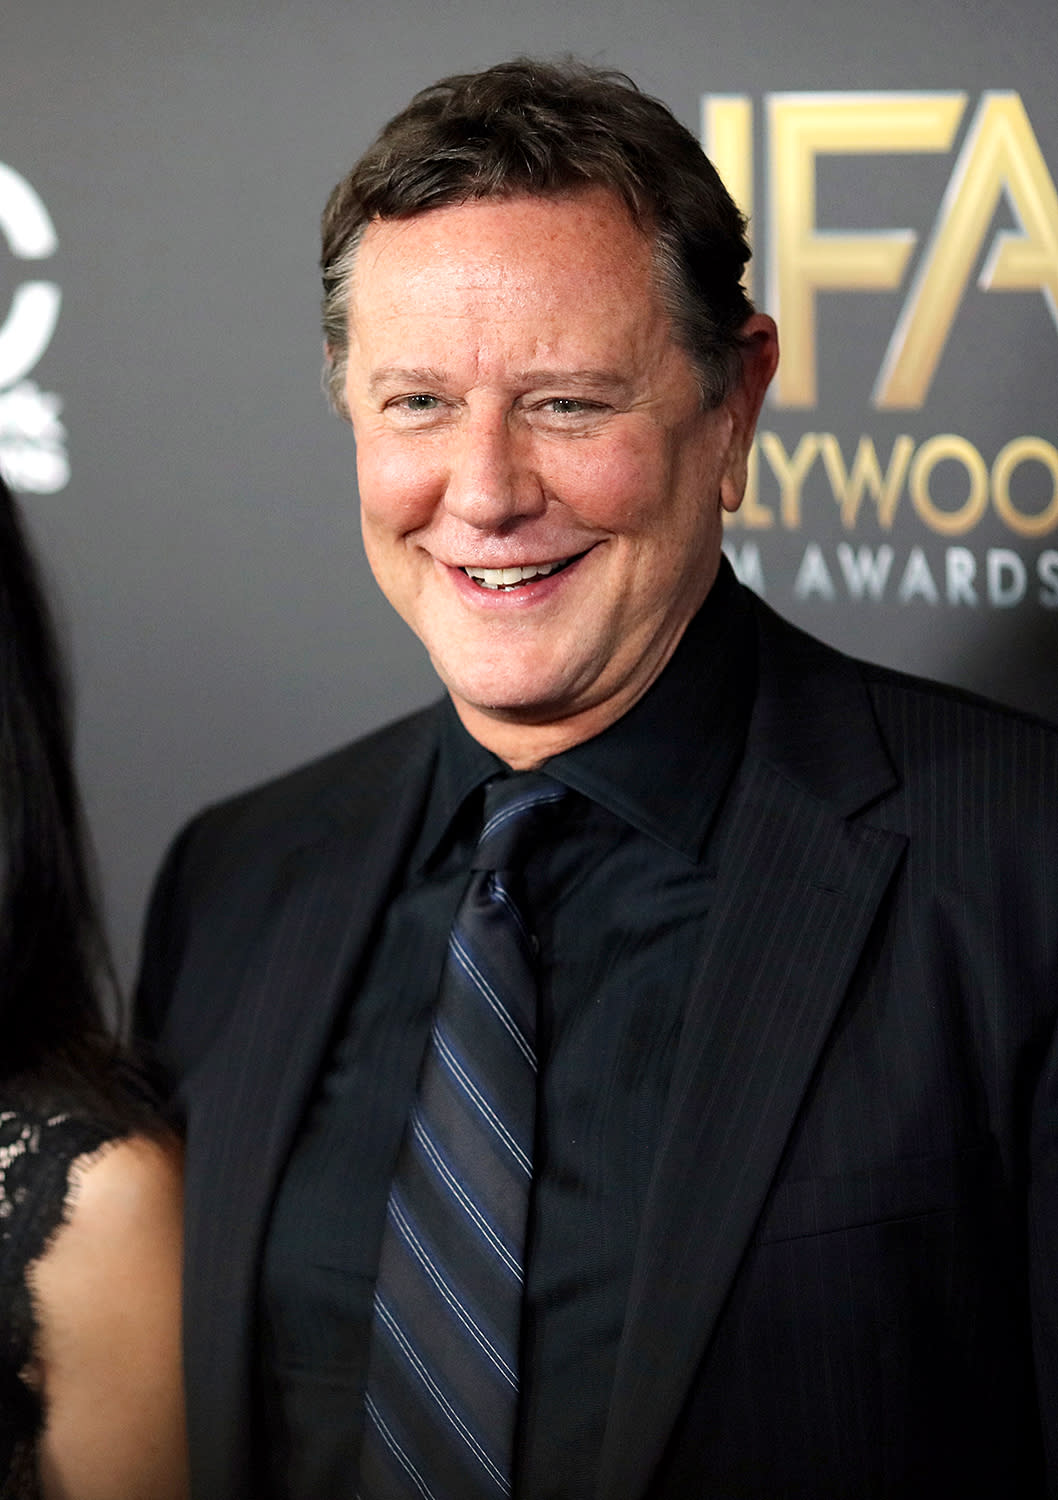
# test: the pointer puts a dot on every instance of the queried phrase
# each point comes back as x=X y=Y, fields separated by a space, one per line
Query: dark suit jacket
x=846 y=1282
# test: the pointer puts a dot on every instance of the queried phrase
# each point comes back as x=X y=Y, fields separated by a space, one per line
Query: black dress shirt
x=619 y=907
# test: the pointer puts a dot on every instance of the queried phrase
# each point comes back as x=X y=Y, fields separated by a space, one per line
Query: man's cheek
x=395 y=492
x=613 y=483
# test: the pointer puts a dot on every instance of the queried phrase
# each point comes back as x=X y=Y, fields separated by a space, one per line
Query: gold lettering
x=1000 y=155
x=727 y=140
x=1007 y=460
x=948 y=445
x=803 y=260
x=866 y=474
x=790 y=471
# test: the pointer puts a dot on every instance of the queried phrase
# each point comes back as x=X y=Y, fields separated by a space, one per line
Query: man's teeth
x=505 y=578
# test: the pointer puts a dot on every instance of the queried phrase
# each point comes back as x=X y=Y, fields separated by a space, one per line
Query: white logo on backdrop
x=32 y=438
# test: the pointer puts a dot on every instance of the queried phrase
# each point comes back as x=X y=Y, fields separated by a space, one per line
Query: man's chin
x=510 y=702
x=528 y=709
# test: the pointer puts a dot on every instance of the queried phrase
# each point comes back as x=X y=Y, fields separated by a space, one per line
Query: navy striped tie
x=442 y=1387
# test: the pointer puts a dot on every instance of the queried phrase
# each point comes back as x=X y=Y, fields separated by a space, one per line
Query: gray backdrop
x=194 y=499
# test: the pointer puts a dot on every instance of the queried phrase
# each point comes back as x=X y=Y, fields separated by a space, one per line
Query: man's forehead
x=591 y=213
x=502 y=250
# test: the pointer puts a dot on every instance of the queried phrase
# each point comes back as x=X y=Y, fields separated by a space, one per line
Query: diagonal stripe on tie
x=442 y=1387
x=415 y=1244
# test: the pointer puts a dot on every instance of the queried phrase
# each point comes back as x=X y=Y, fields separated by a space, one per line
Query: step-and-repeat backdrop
x=162 y=169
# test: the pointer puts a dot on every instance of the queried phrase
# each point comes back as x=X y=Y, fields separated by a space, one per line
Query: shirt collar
x=664 y=765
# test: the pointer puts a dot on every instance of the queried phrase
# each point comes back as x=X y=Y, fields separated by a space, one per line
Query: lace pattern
x=37 y=1151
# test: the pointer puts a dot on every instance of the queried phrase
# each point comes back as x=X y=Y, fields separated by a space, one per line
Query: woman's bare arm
x=108 y=1301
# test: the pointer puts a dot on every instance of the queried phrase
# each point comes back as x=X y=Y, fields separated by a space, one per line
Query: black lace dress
x=37 y=1150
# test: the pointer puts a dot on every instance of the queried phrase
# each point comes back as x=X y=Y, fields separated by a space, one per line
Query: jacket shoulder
x=838 y=722
x=940 y=720
x=327 y=794
x=220 y=869
x=899 y=697
x=328 y=798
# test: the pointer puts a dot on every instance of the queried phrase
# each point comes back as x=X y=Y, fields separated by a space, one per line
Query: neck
x=523 y=748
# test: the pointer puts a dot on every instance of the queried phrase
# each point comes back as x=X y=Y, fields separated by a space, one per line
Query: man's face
x=540 y=488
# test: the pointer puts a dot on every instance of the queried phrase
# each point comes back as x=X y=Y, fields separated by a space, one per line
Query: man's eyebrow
x=598 y=379
x=404 y=375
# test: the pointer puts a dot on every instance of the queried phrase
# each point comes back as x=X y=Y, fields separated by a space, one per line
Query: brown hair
x=546 y=129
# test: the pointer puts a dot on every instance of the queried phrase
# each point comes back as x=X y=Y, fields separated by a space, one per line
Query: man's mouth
x=512 y=578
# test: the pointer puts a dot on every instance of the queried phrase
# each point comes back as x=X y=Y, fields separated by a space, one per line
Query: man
x=778 y=1211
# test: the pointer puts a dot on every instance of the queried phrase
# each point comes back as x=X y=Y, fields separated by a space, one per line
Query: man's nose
x=491 y=478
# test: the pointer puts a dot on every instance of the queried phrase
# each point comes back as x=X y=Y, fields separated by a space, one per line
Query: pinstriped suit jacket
x=846 y=1281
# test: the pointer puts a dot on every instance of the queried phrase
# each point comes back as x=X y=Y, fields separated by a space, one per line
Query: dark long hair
x=54 y=964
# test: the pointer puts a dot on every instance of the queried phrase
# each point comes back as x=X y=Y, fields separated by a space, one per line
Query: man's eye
x=568 y=406
x=419 y=402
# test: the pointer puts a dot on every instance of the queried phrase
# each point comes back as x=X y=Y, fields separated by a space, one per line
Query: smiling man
x=532 y=455
x=632 y=1076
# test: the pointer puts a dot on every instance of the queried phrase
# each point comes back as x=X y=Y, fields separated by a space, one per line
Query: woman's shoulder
x=123 y=1190
x=67 y=1136
x=116 y=1188
x=89 y=1269
x=121 y=1226
x=107 y=1298
x=82 y=1200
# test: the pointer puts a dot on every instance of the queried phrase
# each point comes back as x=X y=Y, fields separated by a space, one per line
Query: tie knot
x=514 y=806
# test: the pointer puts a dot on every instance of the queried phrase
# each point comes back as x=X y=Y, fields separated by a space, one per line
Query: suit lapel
x=248 y=1097
x=798 y=889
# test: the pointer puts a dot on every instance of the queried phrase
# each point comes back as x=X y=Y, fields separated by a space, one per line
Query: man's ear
x=760 y=356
